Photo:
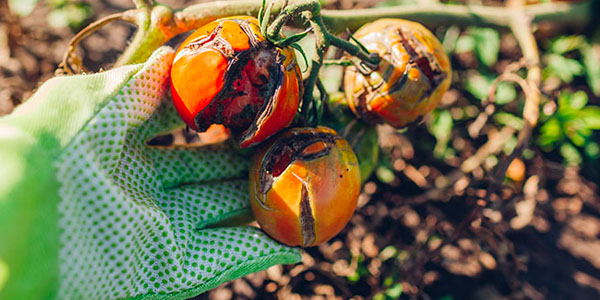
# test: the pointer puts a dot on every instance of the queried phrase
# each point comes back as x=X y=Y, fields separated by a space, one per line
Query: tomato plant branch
x=522 y=29
x=166 y=23
x=440 y=14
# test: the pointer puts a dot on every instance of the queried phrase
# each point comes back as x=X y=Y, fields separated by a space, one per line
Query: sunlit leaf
x=72 y=15
x=308 y=46
x=479 y=86
x=591 y=61
x=464 y=43
x=550 y=133
x=591 y=117
x=510 y=145
x=577 y=133
x=578 y=100
x=385 y=175
x=505 y=93
x=395 y=291
x=487 y=44
x=568 y=43
x=22 y=7
x=563 y=68
x=508 y=119
x=441 y=129
x=570 y=154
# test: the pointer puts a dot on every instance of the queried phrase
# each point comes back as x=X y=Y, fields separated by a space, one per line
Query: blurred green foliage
x=571 y=128
x=64 y=13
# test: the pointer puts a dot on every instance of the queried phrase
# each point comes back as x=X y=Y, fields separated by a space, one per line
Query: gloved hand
x=89 y=211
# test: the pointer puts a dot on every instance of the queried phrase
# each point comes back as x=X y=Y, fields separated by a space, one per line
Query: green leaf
x=72 y=15
x=577 y=133
x=510 y=145
x=395 y=291
x=487 y=44
x=291 y=39
x=505 y=93
x=379 y=296
x=308 y=48
x=568 y=43
x=550 y=133
x=570 y=154
x=578 y=100
x=563 y=68
x=508 y=119
x=22 y=7
x=441 y=129
x=591 y=61
x=591 y=117
x=385 y=175
x=465 y=43
x=299 y=49
x=479 y=86
x=592 y=150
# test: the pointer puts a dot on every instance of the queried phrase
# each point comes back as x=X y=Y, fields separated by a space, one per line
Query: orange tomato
x=413 y=74
x=227 y=73
x=304 y=185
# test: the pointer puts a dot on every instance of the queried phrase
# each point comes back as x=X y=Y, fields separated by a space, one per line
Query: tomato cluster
x=304 y=182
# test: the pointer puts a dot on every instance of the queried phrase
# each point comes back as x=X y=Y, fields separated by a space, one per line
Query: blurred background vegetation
x=538 y=237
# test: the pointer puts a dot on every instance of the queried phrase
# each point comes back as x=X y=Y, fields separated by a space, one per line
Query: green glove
x=88 y=211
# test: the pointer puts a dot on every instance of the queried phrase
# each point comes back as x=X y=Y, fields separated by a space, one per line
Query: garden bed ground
x=540 y=240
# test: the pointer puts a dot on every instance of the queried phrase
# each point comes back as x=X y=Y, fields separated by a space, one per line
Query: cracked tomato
x=304 y=185
x=413 y=74
x=227 y=73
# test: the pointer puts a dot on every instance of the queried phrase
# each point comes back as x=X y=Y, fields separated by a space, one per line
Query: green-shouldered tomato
x=413 y=74
x=227 y=73
x=304 y=185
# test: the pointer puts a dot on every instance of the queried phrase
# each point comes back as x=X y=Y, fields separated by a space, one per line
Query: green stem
x=317 y=61
x=371 y=58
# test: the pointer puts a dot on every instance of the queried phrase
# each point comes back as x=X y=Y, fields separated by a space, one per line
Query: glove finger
x=206 y=205
x=179 y=166
x=215 y=256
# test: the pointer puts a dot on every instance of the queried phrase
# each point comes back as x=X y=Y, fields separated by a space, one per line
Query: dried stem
x=65 y=65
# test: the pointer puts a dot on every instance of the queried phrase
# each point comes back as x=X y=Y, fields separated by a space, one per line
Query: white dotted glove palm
x=89 y=211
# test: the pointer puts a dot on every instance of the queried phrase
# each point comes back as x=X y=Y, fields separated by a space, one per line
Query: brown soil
x=538 y=238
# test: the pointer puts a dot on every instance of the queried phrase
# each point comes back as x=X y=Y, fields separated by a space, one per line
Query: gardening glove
x=89 y=211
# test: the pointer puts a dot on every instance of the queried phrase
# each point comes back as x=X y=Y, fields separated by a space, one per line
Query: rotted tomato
x=227 y=73
x=304 y=185
x=413 y=74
